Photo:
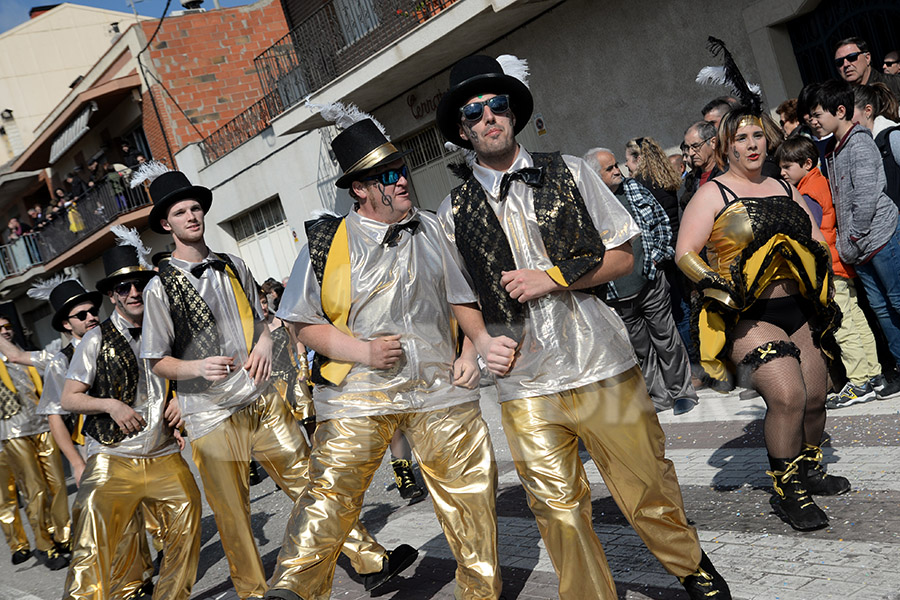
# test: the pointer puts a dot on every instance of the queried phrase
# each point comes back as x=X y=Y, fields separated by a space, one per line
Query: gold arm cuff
x=694 y=267
x=557 y=276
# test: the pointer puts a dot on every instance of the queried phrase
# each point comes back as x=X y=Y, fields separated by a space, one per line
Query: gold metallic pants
x=265 y=431
x=107 y=544
x=615 y=420
x=454 y=452
x=10 y=520
x=37 y=464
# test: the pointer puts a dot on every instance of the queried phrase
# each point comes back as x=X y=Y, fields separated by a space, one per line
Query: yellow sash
x=36 y=380
x=77 y=436
x=336 y=297
x=243 y=306
x=5 y=378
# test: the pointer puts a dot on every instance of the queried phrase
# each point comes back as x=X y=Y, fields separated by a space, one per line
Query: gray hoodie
x=866 y=215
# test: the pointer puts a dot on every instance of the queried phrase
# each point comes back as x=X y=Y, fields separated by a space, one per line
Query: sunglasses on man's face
x=390 y=177
x=124 y=288
x=474 y=111
x=82 y=315
x=6 y=327
x=890 y=63
x=839 y=62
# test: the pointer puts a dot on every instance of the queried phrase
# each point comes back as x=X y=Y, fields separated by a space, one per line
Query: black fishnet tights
x=794 y=392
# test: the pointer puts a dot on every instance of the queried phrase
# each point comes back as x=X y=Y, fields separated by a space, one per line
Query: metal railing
x=333 y=40
x=241 y=128
x=19 y=255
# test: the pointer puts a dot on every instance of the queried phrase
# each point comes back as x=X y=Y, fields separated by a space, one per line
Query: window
x=258 y=220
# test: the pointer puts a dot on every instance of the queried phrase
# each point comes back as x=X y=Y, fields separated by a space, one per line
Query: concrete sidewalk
x=720 y=458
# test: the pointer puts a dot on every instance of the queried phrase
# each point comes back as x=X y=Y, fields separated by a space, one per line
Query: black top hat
x=480 y=74
x=120 y=263
x=169 y=188
x=362 y=147
x=65 y=296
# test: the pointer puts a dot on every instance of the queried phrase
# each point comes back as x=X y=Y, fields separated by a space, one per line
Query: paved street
x=720 y=459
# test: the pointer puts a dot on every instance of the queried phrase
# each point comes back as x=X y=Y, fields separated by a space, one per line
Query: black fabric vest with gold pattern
x=572 y=242
x=117 y=377
x=320 y=233
x=282 y=366
x=9 y=403
x=196 y=334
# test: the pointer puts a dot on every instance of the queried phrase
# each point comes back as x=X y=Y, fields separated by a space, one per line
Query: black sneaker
x=20 y=556
x=52 y=559
x=891 y=388
x=64 y=548
x=684 y=405
x=406 y=481
x=396 y=560
x=145 y=592
x=255 y=477
x=280 y=595
x=705 y=582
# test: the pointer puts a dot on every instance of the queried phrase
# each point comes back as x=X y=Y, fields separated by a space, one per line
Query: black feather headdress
x=730 y=74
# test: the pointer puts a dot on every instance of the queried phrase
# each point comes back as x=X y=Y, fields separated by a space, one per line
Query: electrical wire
x=158 y=25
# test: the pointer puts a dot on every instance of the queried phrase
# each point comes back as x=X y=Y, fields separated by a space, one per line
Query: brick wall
x=205 y=61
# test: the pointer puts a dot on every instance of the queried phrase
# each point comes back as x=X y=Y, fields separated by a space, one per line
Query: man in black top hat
x=38 y=435
x=134 y=466
x=539 y=235
x=390 y=350
x=204 y=332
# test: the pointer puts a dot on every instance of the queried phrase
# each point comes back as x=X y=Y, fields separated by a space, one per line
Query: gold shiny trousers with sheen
x=616 y=422
x=265 y=431
x=107 y=545
x=456 y=459
x=37 y=464
x=10 y=521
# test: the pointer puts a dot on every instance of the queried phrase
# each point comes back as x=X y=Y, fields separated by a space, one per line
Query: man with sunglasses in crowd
x=204 y=332
x=538 y=235
x=41 y=432
x=368 y=294
x=891 y=64
x=853 y=62
x=134 y=465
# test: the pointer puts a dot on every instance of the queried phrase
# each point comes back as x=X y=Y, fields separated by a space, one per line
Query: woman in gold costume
x=765 y=306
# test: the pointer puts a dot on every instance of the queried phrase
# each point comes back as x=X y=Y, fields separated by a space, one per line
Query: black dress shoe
x=396 y=560
x=705 y=582
x=684 y=405
x=20 y=556
x=255 y=477
x=281 y=595
x=52 y=559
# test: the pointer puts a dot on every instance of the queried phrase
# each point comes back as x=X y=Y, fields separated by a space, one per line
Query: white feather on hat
x=42 y=288
x=344 y=115
x=129 y=236
x=717 y=76
x=148 y=171
x=514 y=67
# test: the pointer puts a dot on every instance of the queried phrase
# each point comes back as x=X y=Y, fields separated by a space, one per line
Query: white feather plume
x=322 y=212
x=468 y=153
x=344 y=115
x=129 y=236
x=716 y=76
x=42 y=288
x=514 y=67
x=148 y=171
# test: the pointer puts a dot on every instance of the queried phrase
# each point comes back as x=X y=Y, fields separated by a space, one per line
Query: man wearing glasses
x=853 y=62
x=134 y=465
x=700 y=145
x=538 y=235
x=369 y=293
x=204 y=332
x=32 y=441
x=892 y=63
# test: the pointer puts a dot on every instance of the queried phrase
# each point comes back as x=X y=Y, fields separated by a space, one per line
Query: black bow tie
x=530 y=176
x=393 y=233
x=135 y=332
x=215 y=263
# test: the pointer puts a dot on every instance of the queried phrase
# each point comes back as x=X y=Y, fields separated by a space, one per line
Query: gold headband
x=750 y=120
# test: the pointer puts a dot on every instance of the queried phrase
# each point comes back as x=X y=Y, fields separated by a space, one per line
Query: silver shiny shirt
x=395 y=290
x=27 y=421
x=54 y=380
x=156 y=438
x=202 y=412
x=570 y=339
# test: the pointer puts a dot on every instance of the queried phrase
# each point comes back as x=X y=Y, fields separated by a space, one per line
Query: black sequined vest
x=572 y=242
x=196 y=334
x=117 y=377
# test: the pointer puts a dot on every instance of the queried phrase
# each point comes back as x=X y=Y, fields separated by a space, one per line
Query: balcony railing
x=333 y=40
x=19 y=255
x=241 y=128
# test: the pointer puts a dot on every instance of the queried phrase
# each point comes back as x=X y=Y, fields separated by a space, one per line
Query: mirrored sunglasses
x=123 y=288
x=390 y=177
x=475 y=110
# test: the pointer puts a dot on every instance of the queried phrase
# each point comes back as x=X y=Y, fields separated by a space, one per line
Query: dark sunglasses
x=390 y=177
x=839 y=62
x=124 y=288
x=475 y=110
x=890 y=63
x=6 y=327
x=82 y=315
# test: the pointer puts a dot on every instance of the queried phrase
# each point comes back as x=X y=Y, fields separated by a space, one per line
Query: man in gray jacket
x=867 y=219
